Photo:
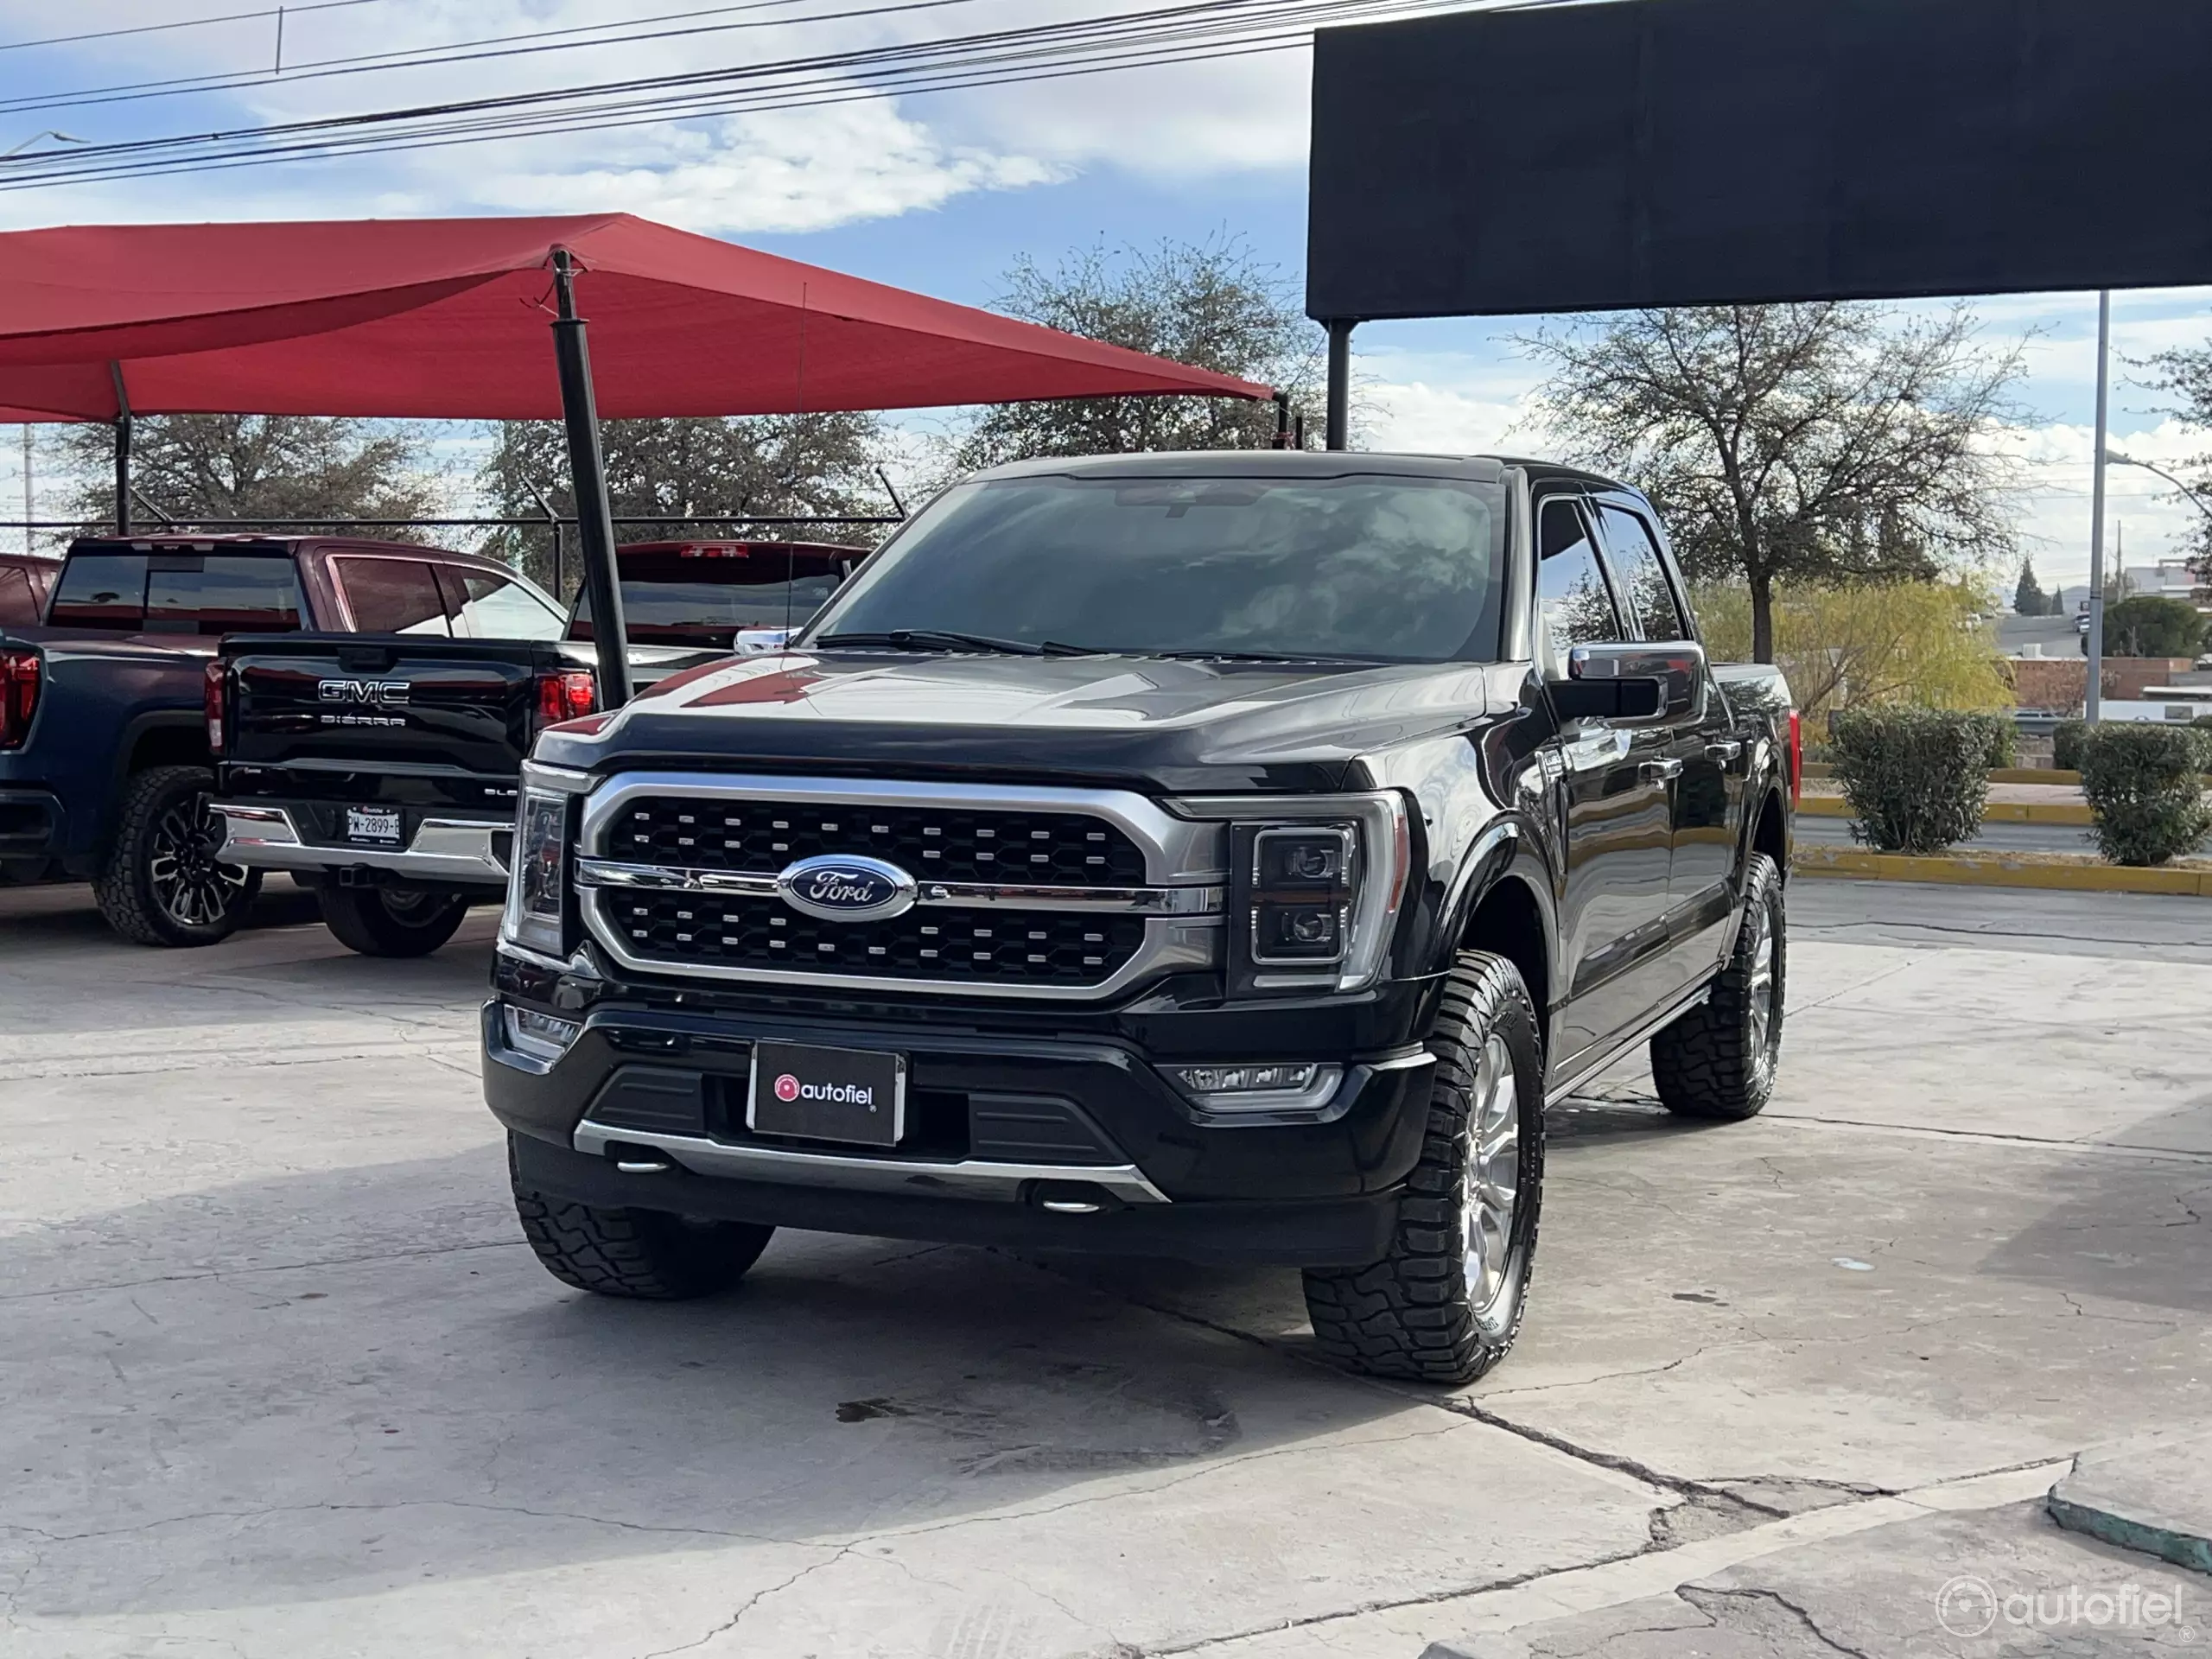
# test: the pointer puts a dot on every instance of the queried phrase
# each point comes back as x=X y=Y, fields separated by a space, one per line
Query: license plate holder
x=377 y=825
x=853 y=1095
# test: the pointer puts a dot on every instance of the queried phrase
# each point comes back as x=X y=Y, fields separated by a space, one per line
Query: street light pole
x=2091 y=696
x=2195 y=500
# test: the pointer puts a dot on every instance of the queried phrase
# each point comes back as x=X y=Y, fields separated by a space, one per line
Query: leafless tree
x=1823 y=442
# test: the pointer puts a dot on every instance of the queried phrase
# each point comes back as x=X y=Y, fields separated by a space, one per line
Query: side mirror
x=763 y=642
x=1634 y=683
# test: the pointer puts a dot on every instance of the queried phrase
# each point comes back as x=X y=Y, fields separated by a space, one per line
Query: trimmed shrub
x=2066 y=744
x=1916 y=780
x=2003 y=741
x=2145 y=788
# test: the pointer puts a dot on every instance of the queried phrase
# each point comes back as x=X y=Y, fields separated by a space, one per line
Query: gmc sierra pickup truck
x=1219 y=856
x=383 y=772
x=104 y=728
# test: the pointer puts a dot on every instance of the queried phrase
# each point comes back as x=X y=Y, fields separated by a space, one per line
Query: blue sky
x=940 y=192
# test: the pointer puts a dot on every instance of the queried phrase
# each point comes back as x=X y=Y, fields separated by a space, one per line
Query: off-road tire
x=1708 y=1064
x=128 y=889
x=390 y=921
x=1413 y=1314
x=643 y=1254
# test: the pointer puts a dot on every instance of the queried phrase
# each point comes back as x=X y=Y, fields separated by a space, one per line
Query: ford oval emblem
x=847 y=889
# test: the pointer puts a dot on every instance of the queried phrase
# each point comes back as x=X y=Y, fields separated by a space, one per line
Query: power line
x=1198 y=31
x=181 y=22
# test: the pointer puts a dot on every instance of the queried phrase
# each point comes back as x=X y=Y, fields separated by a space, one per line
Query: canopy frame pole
x=588 y=479
x=1282 y=420
x=1339 y=427
x=122 y=452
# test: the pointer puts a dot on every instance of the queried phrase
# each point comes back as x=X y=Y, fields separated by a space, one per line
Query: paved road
x=282 y=1381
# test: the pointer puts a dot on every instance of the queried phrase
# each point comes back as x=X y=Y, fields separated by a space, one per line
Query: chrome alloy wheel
x=1760 y=991
x=1490 y=1177
x=192 y=888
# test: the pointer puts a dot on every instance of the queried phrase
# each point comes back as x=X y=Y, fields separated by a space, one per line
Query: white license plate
x=367 y=824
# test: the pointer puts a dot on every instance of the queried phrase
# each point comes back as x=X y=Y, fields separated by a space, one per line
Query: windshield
x=695 y=599
x=1372 y=567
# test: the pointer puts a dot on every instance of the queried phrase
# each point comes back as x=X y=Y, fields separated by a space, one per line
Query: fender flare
x=1506 y=850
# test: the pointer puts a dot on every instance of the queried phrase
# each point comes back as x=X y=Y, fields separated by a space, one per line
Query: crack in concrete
x=749 y=1604
x=1697 y=1596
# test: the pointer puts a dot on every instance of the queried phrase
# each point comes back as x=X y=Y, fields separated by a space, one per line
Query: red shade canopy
x=447 y=318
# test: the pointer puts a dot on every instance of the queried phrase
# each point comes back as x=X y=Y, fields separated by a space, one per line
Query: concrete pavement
x=283 y=1379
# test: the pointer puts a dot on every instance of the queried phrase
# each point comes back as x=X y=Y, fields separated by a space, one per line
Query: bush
x=1916 y=780
x=2066 y=744
x=2146 y=789
x=2003 y=741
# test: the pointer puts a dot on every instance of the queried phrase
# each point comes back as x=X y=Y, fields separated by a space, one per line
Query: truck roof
x=1292 y=463
x=249 y=541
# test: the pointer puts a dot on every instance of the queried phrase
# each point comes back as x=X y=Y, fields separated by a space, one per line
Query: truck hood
x=1172 y=724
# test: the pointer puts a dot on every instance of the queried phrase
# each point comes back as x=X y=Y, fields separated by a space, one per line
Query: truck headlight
x=1315 y=884
x=537 y=916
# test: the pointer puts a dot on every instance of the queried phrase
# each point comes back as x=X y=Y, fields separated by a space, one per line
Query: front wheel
x=639 y=1254
x=1717 y=1062
x=391 y=921
x=161 y=883
x=1446 y=1304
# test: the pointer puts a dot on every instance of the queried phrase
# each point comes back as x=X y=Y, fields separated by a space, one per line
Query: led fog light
x=1259 y=1086
x=542 y=1036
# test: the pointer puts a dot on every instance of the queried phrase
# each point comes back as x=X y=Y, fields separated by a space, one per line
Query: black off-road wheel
x=642 y=1254
x=162 y=884
x=1717 y=1062
x=1446 y=1305
x=391 y=921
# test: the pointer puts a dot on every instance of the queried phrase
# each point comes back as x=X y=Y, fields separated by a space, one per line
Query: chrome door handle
x=1724 y=752
x=1659 y=771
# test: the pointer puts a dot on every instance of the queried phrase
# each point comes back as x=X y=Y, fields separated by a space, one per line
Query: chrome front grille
x=1041 y=892
x=1003 y=946
x=932 y=843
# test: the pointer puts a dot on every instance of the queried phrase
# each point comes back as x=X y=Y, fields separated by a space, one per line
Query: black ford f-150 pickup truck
x=105 y=706
x=1215 y=857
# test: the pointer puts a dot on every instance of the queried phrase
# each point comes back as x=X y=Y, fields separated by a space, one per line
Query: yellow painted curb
x=2051 y=871
x=2073 y=812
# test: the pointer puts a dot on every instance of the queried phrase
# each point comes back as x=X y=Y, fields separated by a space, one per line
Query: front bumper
x=1048 y=1142
x=442 y=850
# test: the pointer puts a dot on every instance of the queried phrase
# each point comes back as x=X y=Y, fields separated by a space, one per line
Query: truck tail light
x=567 y=695
x=215 y=694
x=1797 y=763
x=22 y=673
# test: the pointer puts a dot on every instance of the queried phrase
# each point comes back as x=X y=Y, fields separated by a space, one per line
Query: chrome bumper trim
x=443 y=849
x=913 y=1177
x=748 y=884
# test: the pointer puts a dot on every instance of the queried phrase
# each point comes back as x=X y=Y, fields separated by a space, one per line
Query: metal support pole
x=587 y=478
x=2093 y=692
x=29 y=490
x=1340 y=382
x=122 y=451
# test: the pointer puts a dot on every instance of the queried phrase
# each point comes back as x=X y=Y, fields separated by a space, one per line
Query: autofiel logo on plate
x=787 y=1087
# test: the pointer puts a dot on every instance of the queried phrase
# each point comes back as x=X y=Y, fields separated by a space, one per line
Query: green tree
x=2149 y=625
x=1210 y=304
x=665 y=470
x=1819 y=442
x=2028 y=598
x=193 y=468
x=2187 y=373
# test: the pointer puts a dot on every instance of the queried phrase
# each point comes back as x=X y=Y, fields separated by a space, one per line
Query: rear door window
x=101 y=590
x=393 y=595
x=217 y=593
x=492 y=607
x=18 y=599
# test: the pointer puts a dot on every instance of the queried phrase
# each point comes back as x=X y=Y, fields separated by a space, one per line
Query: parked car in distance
x=25 y=581
x=105 y=760
x=705 y=593
x=1221 y=857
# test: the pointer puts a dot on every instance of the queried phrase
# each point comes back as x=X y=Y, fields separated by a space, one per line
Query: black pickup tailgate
x=395 y=718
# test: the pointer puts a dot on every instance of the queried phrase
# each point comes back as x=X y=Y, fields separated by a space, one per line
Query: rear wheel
x=1717 y=1061
x=642 y=1254
x=1446 y=1305
x=161 y=883
x=391 y=921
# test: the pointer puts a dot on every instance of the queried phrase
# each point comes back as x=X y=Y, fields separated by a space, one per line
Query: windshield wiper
x=1204 y=654
x=933 y=639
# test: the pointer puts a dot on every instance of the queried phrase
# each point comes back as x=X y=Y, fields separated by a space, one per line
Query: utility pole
x=2091 y=692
